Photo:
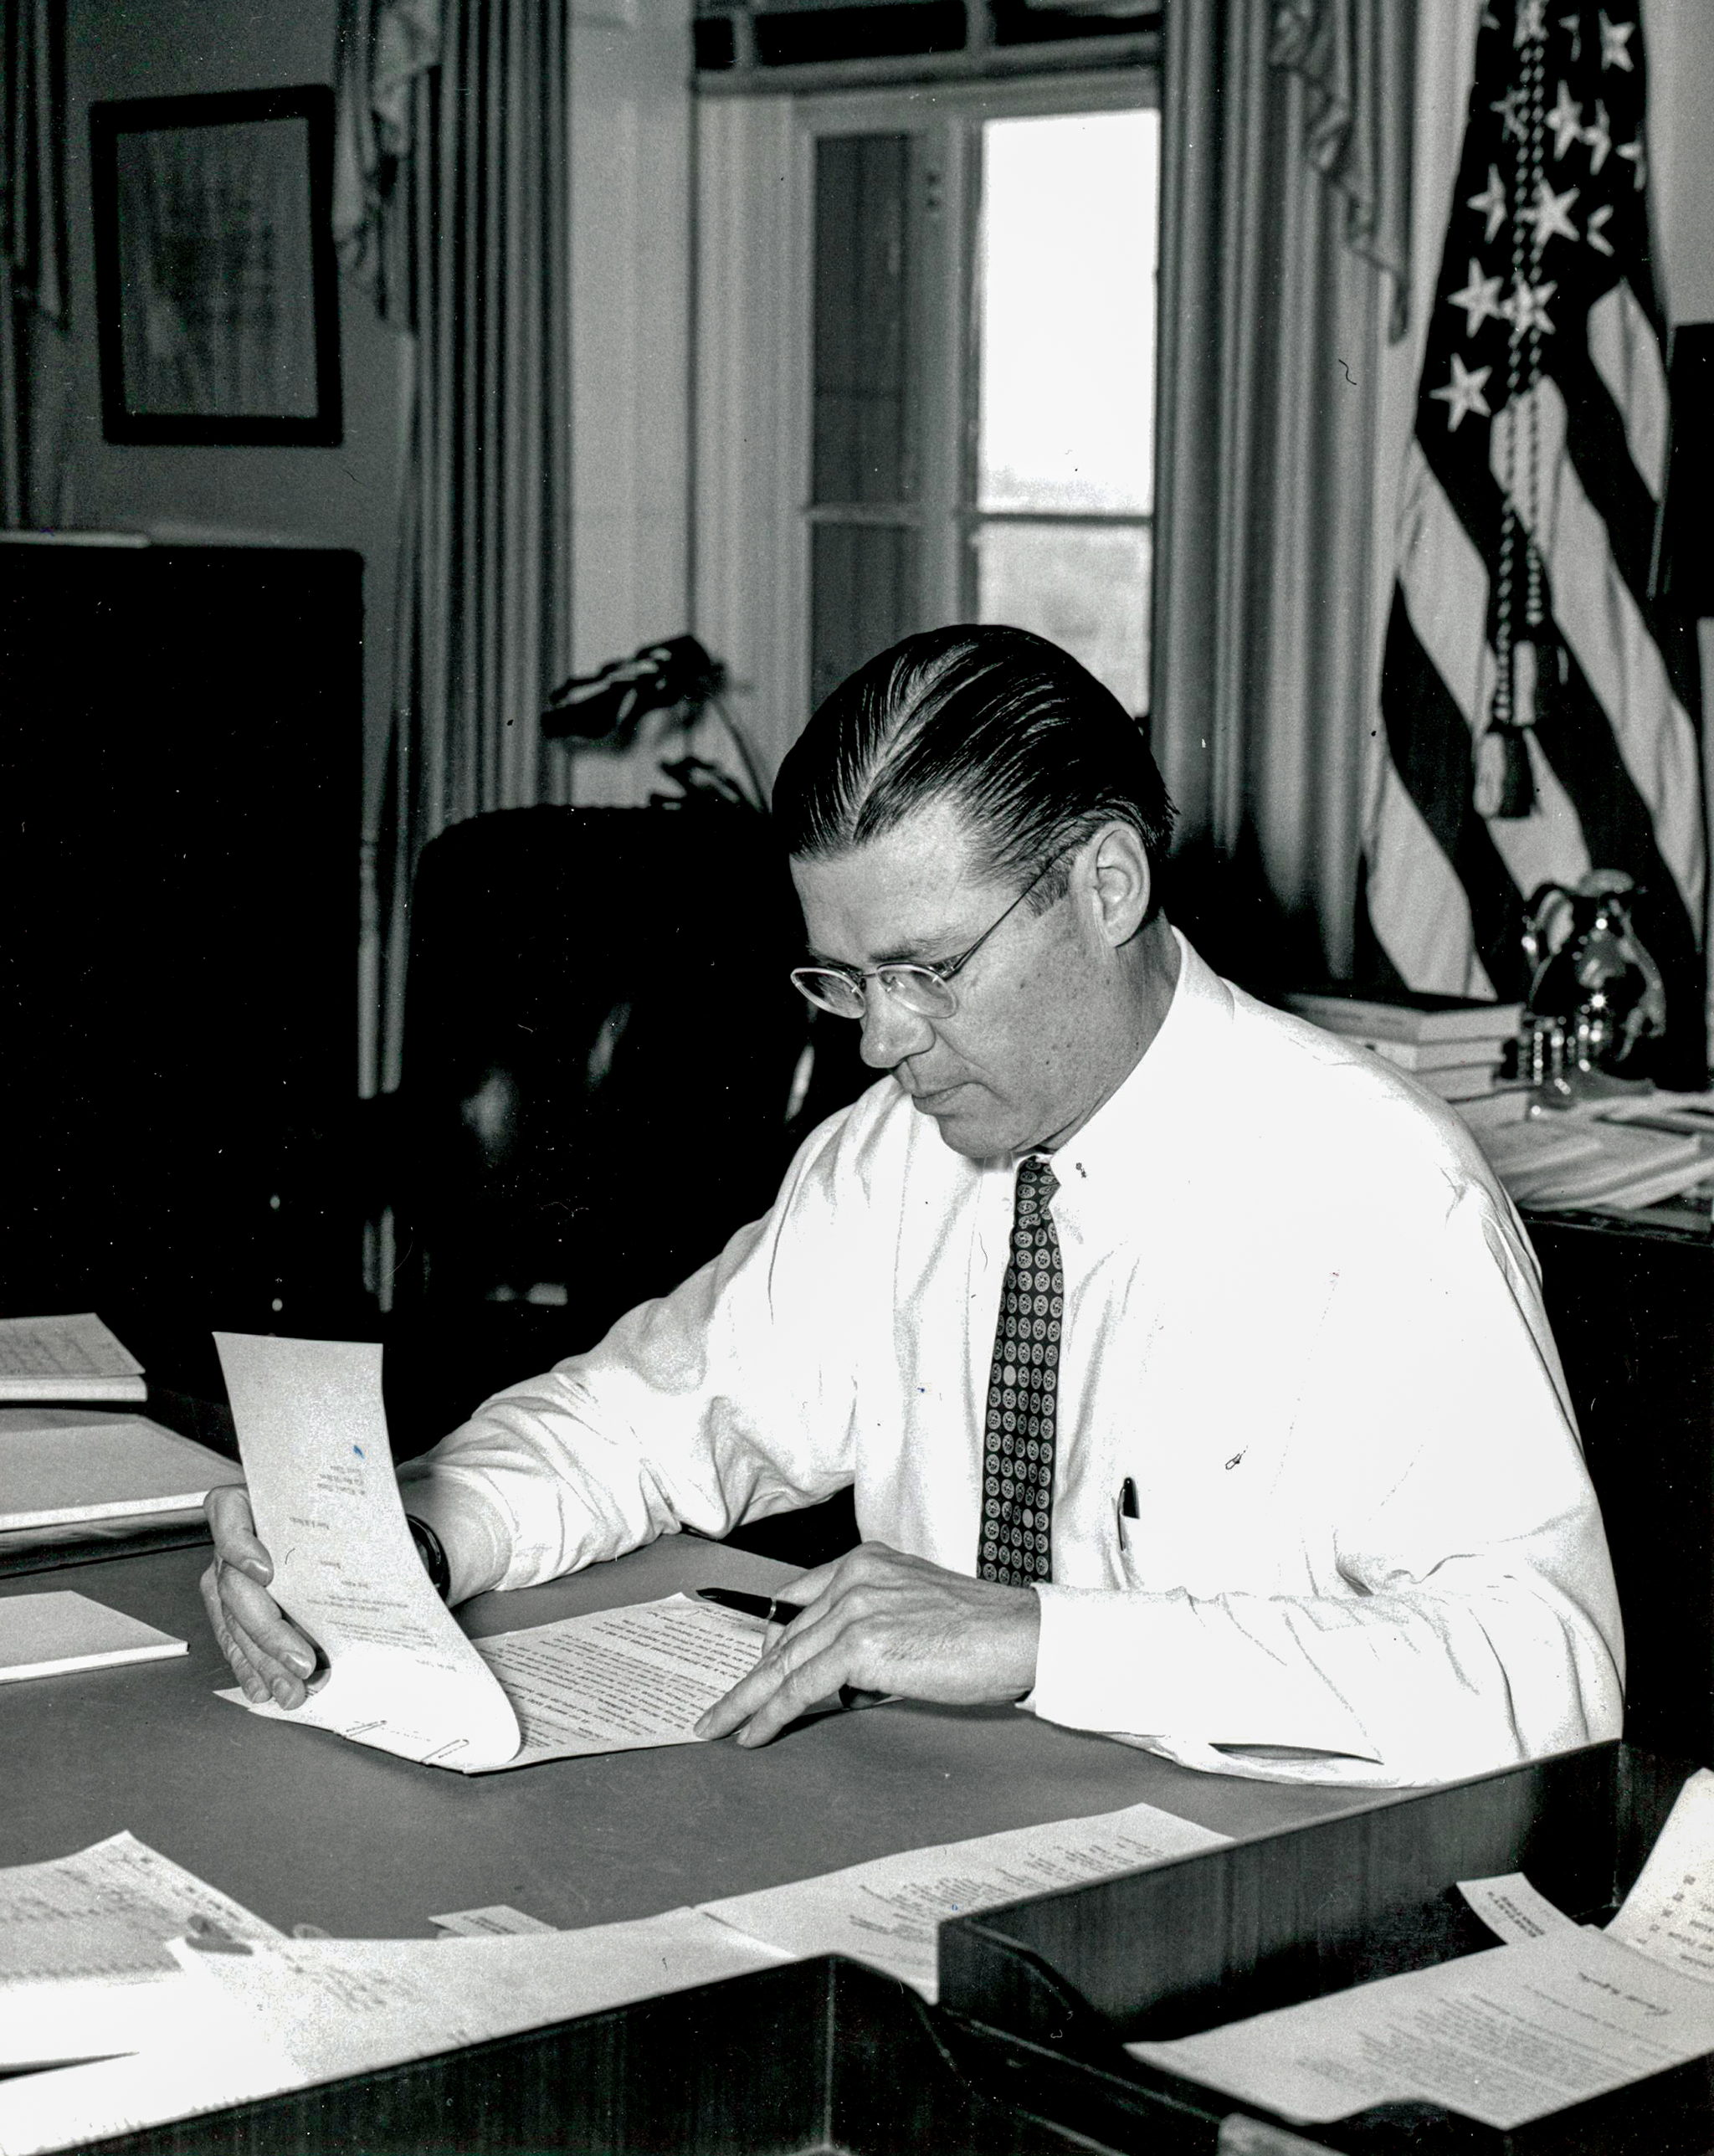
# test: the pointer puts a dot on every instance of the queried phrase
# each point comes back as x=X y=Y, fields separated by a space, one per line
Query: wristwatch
x=433 y=1555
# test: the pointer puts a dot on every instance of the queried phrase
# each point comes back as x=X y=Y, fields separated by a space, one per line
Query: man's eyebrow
x=915 y=953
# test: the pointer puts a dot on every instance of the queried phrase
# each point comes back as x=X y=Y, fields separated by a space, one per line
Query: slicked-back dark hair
x=1006 y=727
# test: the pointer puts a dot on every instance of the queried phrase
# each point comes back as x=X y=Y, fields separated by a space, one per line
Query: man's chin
x=964 y=1117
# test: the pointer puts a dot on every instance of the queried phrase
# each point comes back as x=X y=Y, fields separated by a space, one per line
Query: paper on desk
x=621 y=1680
x=886 y=1912
x=1669 y=1914
x=296 y=2012
x=1512 y=1908
x=1504 y=2036
x=313 y=1435
x=402 y=1676
x=84 y=1965
x=498 y=1919
x=615 y=1681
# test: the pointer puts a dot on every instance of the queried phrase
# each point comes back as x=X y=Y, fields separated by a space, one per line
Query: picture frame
x=216 y=285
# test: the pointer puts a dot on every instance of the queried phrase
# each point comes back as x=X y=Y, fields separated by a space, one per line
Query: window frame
x=753 y=511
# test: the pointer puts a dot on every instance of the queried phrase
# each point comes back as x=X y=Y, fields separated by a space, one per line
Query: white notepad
x=58 y=1465
x=51 y=1634
x=66 y=1358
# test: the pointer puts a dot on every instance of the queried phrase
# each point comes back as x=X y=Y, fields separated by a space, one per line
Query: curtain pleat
x=474 y=218
x=1273 y=318
x=34 y=410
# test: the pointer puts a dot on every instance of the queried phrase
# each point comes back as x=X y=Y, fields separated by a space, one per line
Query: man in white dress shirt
x=1190 y=1366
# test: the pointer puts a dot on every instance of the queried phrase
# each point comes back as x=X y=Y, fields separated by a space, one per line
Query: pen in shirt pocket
x=1127 y=1509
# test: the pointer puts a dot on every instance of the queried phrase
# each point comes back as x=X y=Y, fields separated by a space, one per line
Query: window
x=925 y=376
x=982 y=383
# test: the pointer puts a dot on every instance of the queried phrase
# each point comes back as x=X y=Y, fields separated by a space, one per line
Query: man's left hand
x=881 y=1621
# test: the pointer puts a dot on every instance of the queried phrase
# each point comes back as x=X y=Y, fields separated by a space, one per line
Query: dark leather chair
x=605 y=1072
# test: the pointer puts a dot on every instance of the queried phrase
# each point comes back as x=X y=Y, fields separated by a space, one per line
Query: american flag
x=1526 y=524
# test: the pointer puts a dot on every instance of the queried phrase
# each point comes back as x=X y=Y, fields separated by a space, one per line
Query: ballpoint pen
x=773 y=1611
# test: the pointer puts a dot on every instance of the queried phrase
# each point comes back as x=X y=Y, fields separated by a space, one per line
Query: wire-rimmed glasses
x=926 y=990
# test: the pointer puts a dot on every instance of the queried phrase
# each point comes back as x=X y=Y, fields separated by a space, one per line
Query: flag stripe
x=1429 y=742
x=1601 y=451
x=1410 y=888
x=1599 y=619
x=1445 y=587
x=1627 y=356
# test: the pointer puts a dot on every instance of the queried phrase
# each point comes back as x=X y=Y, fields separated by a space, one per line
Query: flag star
x=1615 y=37
x=1574 y=24
x=1511 y=120
x=1599 y=138
x=1528 y=308
x=1633 y=152
x=1549 y=216
x=1592 y=232
x=1463 y=394
x=1566 y=119
x=1479 y=299
x=1490 y=21
x=1531 y=22
x=1492 y=202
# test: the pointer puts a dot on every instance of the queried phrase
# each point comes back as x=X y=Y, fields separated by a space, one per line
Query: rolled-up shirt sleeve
x=1458 y=1613
x=731 y=1397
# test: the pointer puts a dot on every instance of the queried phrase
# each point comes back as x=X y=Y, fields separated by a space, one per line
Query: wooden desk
x=303 y=1826
x=1632 y=1307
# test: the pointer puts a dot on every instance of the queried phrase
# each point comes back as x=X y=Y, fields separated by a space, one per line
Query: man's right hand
x=269 y=1657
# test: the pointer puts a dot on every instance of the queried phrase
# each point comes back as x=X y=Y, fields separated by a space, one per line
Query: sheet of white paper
x=616 y=1681
x=64 y=1359
x=1505 y=2036
x=1669 y=1914
x=106 y=1911
x=620 y=1680
x=55 y=2020
x=204 y=2066
x=886 y=1912
x=488 y=1923
x=61 y=1467
x=84 y=1965
x=289 y=2015
x=313 y=1435
x=56 y=1632
x=1512 y=1908
x=342 y=2006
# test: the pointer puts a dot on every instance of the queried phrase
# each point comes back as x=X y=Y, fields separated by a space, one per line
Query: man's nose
x=890 y=1032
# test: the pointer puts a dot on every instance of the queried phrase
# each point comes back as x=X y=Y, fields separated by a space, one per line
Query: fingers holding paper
x=881 y=1621
x=270 y=1658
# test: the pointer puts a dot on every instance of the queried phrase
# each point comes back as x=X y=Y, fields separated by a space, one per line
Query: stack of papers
x=54 y=1634
x=165 y=1998
x=1558 y=2015
x=1552 y=1162
x=62 y=1467
x=66 y=1358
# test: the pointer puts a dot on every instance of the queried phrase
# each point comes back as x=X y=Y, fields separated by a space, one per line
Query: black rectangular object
x=179 y=733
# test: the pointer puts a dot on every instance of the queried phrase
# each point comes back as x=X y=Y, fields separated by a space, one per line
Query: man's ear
x=1120 y=882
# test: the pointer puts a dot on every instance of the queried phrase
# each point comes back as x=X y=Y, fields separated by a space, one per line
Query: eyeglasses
x=927 y=990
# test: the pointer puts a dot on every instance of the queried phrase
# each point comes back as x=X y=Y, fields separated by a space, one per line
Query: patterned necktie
x=1018 y=1467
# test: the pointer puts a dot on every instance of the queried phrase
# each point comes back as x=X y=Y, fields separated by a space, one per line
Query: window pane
x=1085 y=586
x=862 y=597
x=861 y=289
x=1066 y=265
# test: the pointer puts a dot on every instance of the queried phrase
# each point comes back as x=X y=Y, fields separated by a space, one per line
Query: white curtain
x=1286 y=138
x=34 y=409
x=453 y=198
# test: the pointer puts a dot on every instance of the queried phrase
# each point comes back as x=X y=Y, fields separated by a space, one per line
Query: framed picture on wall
x=215 y=281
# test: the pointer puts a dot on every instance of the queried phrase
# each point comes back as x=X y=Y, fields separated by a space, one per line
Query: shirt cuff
x=470 y=1527
x=1154 y=1666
